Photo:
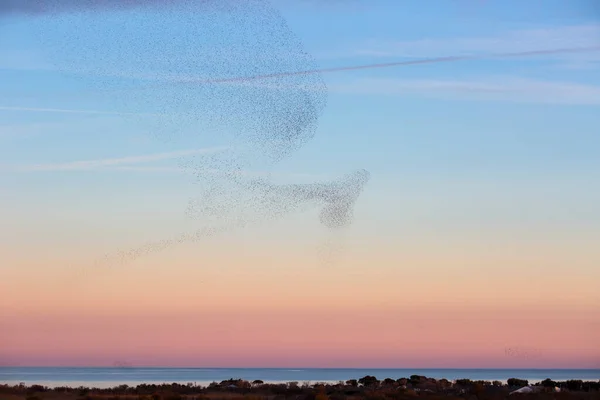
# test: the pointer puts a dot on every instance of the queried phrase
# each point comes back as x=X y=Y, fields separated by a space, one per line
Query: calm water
x=107 y=377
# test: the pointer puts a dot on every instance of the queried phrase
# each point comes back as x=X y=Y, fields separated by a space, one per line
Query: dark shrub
x=517 y=382
x=368 y=381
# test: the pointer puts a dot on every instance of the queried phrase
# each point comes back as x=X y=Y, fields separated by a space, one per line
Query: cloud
x=510 y=89
x=71 y=111
x=511 y=41
x=133 y=168
x=130 y=164
x=116 y=162
x=215 y=171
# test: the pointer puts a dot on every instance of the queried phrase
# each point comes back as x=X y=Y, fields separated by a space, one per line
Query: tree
x=416 y=379
x=574 y=384
x=464 y=383
x=368 y=381
x=548 y=383
x=517 y=382
x=443 y=384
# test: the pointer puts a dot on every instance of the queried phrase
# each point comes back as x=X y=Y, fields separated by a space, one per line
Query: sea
x=100 y=377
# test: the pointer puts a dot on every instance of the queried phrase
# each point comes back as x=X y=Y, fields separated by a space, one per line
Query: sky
x=475 y=233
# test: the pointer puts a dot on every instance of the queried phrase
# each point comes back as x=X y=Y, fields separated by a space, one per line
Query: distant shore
x=126 y=373
x=366 y=388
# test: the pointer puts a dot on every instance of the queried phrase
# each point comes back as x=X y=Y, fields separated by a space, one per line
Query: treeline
x=366 y=388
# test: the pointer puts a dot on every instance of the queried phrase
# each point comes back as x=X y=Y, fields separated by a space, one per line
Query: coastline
x=126 y=374
x=366 y=388
x=204 y=384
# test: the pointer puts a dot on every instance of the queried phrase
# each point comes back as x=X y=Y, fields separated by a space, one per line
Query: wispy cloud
x=145 y=168
x=116 y=162
x=71 y=111
x=491 y=88
x=129 y=164
x=215 y=171
x=511 y=41
x=509 y=89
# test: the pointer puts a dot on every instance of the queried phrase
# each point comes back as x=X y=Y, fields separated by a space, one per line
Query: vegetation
x=366 y=388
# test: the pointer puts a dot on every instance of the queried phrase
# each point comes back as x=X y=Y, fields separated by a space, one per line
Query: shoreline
x=205 y=383
x=208 y=384
x=366 y=388
x=127 y=374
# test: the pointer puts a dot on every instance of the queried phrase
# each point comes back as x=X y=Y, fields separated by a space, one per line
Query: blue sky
x=506 y=142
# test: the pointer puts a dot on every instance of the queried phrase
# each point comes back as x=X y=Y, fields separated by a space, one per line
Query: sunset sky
x=477 y=232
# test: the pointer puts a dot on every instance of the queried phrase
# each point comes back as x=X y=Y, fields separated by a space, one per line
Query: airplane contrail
x=435 y=60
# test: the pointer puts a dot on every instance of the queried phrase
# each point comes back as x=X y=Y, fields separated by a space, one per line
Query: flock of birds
x=211 y=66
x=202 y=58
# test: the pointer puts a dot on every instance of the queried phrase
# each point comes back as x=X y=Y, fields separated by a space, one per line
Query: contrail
x=436 y=60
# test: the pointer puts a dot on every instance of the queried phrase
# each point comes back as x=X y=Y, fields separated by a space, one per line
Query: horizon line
x=303 y=368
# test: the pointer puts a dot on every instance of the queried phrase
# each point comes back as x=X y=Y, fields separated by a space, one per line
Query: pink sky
x=247 y=306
